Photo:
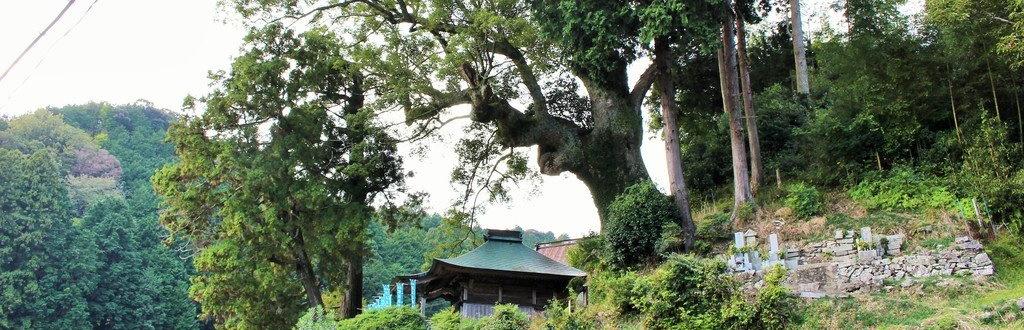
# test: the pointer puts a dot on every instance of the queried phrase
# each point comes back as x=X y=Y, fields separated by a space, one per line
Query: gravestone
x=739 y=257
x=773 y=249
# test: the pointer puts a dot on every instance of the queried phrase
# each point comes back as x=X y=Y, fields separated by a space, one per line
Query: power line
x=52 y=46
x=34 y=41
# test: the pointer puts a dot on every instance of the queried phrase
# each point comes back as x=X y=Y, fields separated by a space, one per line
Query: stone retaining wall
x=848 y=264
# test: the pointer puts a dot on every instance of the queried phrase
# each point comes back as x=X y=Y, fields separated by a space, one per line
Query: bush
x=316 y=319
x=635 y=221
x=991 y=172
x=684 y=292
x=612 y=292
x=587 y=254
x=449 y=319
x=775 y=307
x=505 y=317
x=805 y=200
x=390 y=318
x=903 y=189
x=559 y=316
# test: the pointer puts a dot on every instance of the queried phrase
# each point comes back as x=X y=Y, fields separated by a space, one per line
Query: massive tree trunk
x=753 y=140
x=611 y=159
x=730 y=90
x=674 y=160
x=799 y=53
x=353 y=288
x=605 y=157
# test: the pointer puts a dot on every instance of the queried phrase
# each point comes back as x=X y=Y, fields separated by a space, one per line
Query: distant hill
x=78 y=221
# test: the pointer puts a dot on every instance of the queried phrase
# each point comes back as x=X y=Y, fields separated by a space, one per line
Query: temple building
x=500 y=271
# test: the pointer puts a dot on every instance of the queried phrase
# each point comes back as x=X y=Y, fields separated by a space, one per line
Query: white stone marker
x=739 y=257
x=773 y=249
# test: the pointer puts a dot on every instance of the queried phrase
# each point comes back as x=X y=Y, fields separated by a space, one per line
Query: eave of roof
x=497 y=255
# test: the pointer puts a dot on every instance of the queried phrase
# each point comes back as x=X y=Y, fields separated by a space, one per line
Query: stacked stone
x=963 y=258
x=841 y=268
x=843 y=246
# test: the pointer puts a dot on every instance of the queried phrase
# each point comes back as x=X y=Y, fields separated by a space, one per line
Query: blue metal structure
x=386 y=299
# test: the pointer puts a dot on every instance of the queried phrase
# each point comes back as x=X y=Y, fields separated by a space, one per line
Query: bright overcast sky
x=158 y=50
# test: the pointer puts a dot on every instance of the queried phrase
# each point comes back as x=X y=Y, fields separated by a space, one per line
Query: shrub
x=686 y=292
x=449 y=319
x=805 y=200
x=587 y=254
x=316 y=319
x=612 y=292
x=505 y=317
x=390 y=318
x=903 y=189
x=635 y=221
x=559 y=316
x=775 y=307
x=446 y=319
x=714 y=228
x=991 y=172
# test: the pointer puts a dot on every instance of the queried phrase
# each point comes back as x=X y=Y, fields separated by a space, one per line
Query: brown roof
x=556 y=250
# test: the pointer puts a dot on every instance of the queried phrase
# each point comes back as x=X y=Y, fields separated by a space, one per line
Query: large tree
x=729 y=76
x=504 y=59
x=688 y=26
x=796 y=24
x=749 y=113
x=47 y=263
x=141 y=283
x=275 y=181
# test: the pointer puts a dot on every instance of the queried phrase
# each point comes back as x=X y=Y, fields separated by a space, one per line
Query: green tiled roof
x=504 y=251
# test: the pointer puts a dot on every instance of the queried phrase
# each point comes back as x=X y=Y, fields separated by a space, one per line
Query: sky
x=121 y=51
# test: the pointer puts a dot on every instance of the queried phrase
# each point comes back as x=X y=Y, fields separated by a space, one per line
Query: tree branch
x=643 y=85
x=316 y=10
x=439 y=101
x=525 y=72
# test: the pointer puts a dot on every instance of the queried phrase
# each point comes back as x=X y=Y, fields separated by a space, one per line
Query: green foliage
x=134 y=134
x=635 y=221
x=775 y=307
x=141 y=284
x=805 y=200
x=558 y=316
x=612 y=291
x=41 y=129
x=685 y=291
x=135 y=281
x=49 y=263
x=505 y=317
x=903 y=189
x=449 y=319
x=316 y=318
x=712 y=230
x=275 y=180
x=588 y=254
x=1007 y=252
x=991 y=172
x=390 y=318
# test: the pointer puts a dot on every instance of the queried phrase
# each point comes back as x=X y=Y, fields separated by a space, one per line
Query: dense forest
x=82 y=245
x=87 y=248
x=279 y=198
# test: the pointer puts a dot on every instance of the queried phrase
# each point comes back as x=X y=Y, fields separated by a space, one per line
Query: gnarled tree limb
x=643 y=85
